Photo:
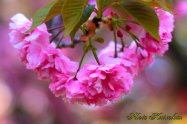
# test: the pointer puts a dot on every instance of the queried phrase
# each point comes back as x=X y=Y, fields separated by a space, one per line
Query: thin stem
x=94 y=52
x=123 y=44
x=95 y=56
x=86 y=49
x=115 y=41
x=134 y=37
x=71 y=45
x=84 y=54
x=80 y=64
x=58 y=44
x=56 y=28
x=56 y=35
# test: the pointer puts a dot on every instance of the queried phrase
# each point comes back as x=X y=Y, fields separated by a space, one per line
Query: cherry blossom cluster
x=96 y=84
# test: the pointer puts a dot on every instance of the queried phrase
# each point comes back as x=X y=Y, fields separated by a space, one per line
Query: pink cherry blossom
x=165 y=32
x=166 y=21
x=152 y=45
x=39 y=41
x=75 y=91
x=36 y=51
x=21 y=41
x=55 y=62
x=69 y=88
x=48 y=61
x=58 y=86
x=135 y=58
x=19 y=24
x=104 y=83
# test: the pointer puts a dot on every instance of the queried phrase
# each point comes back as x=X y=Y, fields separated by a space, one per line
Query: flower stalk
x=115 y=43
x=122 y=44
x=81 y=61
x=59 y=27
x=56 y=35
x=94 y=52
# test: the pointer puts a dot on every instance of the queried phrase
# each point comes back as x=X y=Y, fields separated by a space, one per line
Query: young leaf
x=85 y=16
x=71 y=13
x=46 y=13
x=120 y=10
x=143 y=14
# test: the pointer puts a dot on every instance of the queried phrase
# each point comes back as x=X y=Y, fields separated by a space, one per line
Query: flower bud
x=119 y=34
x=128 y=28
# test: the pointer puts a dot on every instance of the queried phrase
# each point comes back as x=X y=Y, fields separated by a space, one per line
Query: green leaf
x=143 y=14
x=108 y=2
x=161 y=4
x=71 y=13
x=164 y=4
x=120 y=10
x=156 y=3
x=100 y=4
x=85 y=16
x=46 y=13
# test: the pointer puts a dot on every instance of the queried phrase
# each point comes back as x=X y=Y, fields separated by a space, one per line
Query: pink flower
x=36 y=51
x=68 y=88
x=39 y=41
x=166 y=20
x=55 y=62
x=135 y=59
x=21 y=41
x=75 y=92
x=18 y=26
x=165 y=32
x=104 y=83
x=58 y=86
x=20 y=22
x=152 y=45
x=97 y=85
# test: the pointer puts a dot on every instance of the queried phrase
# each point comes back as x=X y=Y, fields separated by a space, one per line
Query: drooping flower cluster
x=93 y=84
x=50 y=63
